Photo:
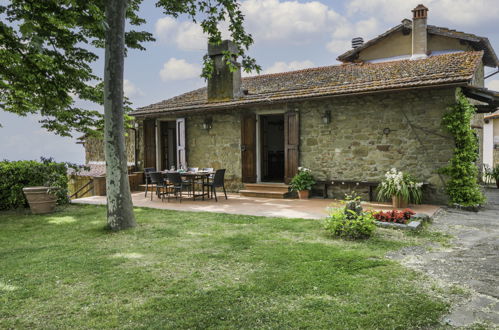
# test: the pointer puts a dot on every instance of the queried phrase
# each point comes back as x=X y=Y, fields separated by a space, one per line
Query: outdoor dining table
x=192 y=177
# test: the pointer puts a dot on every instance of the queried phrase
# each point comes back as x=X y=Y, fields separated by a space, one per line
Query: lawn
x=203 y=270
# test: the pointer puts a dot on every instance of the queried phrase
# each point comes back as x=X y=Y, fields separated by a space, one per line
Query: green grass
x=202 y=270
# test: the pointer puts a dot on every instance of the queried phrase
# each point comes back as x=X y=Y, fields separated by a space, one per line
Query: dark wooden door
x=150 y=143
x=291 y=144
x=181 y=152
x=248 y=148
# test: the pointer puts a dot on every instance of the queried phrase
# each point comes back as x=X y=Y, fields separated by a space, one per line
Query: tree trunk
x=119 y=200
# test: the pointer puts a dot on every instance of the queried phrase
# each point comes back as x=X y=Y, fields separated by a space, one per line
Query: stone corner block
x=414 y=225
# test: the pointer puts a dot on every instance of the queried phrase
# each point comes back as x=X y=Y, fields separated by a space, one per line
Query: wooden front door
x=150 y=143
x=248 y=148
x=291 y=144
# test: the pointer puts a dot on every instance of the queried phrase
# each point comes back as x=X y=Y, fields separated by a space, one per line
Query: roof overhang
x=489 y=97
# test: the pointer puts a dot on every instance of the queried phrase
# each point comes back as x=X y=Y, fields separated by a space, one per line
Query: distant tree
x=45 y=58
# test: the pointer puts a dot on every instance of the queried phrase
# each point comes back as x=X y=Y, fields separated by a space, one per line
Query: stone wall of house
x=218 y=147
x=94 y=148
x=354 y=146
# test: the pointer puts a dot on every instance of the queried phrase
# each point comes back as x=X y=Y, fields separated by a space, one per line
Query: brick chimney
x=223 y=83
x=419 y=34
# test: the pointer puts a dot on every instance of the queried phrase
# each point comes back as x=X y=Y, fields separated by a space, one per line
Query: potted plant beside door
x=302 y=182
x=402 y=188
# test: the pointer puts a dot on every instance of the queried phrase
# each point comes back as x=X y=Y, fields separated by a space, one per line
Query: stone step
x=263 y=193
x=267 y=186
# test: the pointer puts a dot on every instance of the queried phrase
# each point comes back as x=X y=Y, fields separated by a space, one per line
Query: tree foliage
x=462 y=187
x=46 y=51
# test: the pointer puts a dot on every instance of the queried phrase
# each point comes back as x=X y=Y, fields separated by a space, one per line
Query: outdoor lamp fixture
x=387 y=131
x=326 y=117
x=207 y=123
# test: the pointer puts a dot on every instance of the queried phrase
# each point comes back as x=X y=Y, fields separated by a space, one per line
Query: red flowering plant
x=394 y=216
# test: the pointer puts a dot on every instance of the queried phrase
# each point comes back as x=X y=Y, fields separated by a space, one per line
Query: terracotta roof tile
x=334 y=80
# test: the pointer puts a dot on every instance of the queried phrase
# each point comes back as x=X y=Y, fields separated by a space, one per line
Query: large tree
x=46 y=51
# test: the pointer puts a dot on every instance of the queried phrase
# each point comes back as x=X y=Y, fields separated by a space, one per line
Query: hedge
x=15 y=175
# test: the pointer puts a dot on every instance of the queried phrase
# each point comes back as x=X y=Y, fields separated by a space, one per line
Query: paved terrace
x=314 y=208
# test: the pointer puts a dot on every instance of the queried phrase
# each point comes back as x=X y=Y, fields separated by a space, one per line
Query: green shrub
x=346 y=223
x=350 y=221
x=462 y=186
x=15 y=175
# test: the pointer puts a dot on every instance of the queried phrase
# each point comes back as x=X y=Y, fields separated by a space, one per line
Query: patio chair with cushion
x=148 y=170
x=218 y=182
x=177 y=185
x=158 y=180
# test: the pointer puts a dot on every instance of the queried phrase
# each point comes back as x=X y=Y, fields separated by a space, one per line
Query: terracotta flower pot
x=399 y=202
x=303 y=194
x=40 y=200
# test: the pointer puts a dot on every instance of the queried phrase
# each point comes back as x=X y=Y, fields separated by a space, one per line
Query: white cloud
x=342 y=36
x=179 y=69
x=455 y=12
x=190 y=36
x=338 y=46
x=165 y=28
x=290 y=21
x=291 y=66
x=185 y=35
x=493 y=84
x=131 y=90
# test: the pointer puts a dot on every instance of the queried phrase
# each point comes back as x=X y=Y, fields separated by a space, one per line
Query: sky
x=289 y=35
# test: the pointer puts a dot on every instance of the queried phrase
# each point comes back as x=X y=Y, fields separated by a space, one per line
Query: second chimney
x=419 y=33
x=223 y=83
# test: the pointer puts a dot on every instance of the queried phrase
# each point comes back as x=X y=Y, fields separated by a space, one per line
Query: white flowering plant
x=402 y=185
x=303 y=180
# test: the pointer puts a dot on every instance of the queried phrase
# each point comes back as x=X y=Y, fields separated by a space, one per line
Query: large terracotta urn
x=40 y=199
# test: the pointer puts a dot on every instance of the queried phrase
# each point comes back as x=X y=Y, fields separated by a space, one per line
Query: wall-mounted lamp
x=136 y=124
x=207 y=123
x=387 y=131
x=326 y=117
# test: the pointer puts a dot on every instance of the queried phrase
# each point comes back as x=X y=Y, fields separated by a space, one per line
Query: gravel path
x=472 y=262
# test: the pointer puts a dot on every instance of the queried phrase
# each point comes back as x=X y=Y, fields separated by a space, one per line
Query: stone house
x=381 y=108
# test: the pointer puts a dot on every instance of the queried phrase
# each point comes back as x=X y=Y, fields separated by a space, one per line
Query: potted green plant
x=302 y=182
x=402 y=188
x=493 y=174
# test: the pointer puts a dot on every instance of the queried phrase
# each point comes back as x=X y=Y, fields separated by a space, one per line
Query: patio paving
x=314 y=208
